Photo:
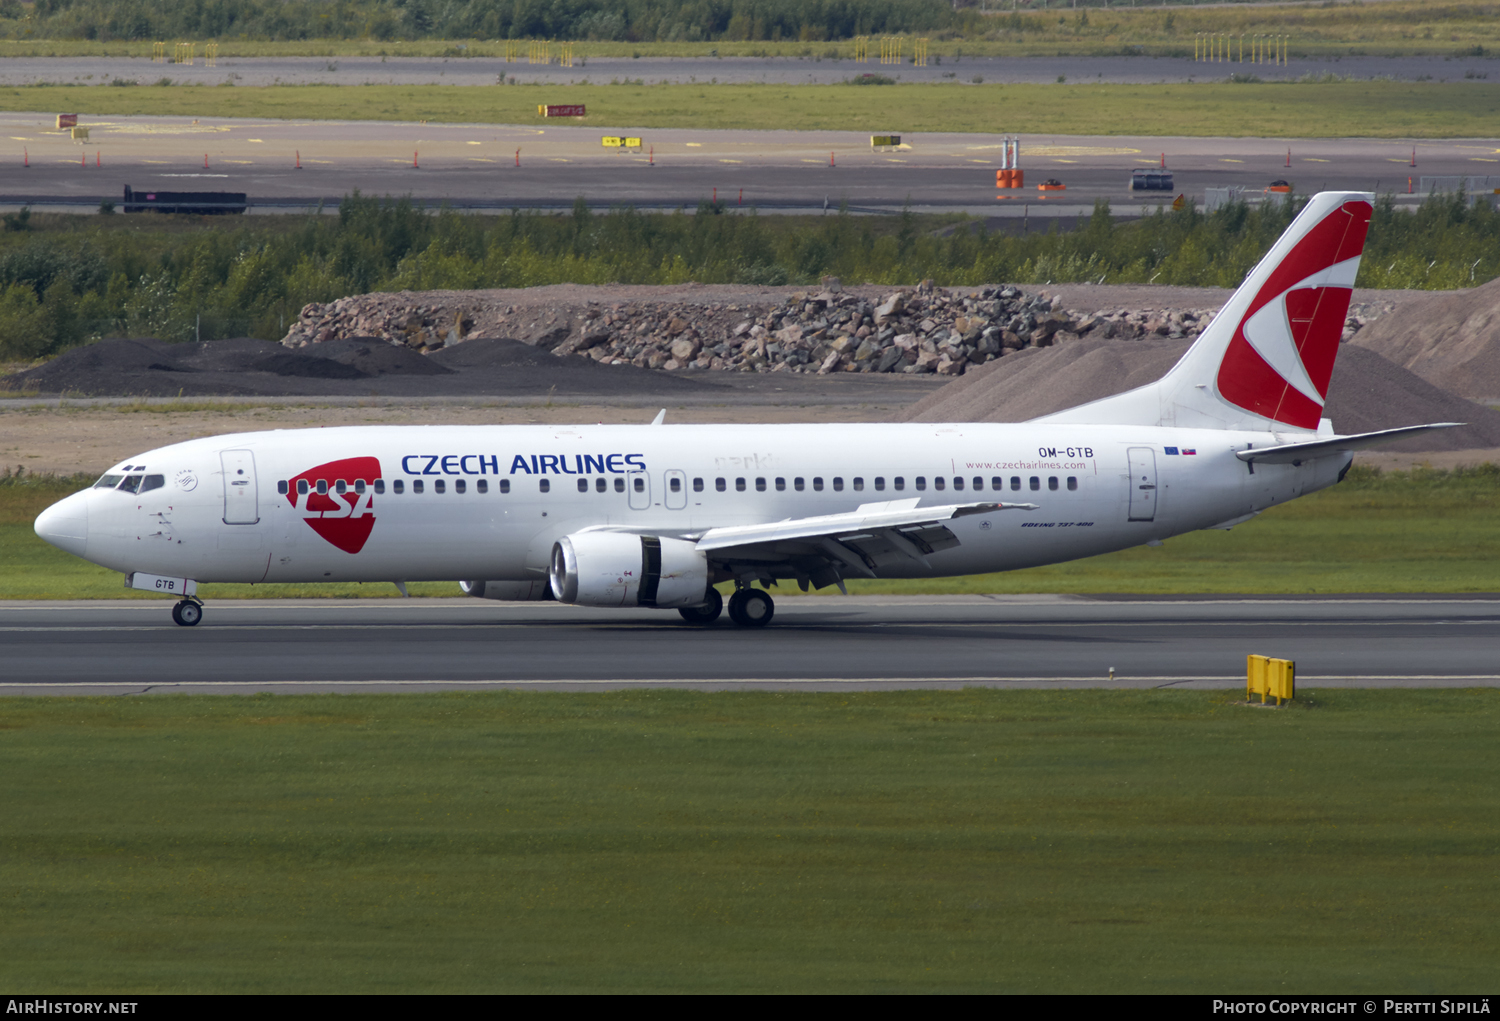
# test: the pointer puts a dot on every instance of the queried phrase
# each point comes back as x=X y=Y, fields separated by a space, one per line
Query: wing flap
x=1294 y=453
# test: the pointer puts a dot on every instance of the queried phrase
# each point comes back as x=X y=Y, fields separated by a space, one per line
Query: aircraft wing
x=1294 y=453
x=895 y=514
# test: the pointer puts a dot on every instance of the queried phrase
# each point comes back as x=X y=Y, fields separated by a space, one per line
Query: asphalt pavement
x=814 y=643
x=287 y=166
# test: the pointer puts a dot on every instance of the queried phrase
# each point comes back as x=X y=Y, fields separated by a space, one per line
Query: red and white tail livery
x=663 y=516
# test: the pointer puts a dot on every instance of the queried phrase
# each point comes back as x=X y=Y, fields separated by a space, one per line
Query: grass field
x=1401 y=28
x=1335 y=109
x=1422 y=532
x=1017 y=841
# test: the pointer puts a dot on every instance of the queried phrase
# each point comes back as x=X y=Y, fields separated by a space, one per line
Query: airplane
x=657 y=515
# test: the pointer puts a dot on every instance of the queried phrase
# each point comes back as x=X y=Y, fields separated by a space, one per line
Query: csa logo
x=344 y=519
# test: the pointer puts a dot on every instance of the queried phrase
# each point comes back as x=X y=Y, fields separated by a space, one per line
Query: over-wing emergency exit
x=658 y=515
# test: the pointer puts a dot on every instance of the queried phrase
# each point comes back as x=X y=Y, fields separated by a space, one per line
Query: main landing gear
x=187 y=613
x=748 y=607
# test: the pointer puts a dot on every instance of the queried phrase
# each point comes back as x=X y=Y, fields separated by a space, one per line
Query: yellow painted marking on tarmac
x=988 y=162
x=237 y=161
x=812 y=161
x=477 y=159
x=407 y=162
x=695 y=145
x=558 y=159
x=1231 y=161
x=1064 y=161
x=1312 y=159
x=1401 y=160
x=19 y=138
x=330 y=162
x=1152 y=162
x=1074 y=150
x=262 y=141
x=473 y=143
x=731 y=161
x=1481 y=159
x=888 y=160
x=165 y=163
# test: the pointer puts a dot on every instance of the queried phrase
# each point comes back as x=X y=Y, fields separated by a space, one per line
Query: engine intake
x=620 y=569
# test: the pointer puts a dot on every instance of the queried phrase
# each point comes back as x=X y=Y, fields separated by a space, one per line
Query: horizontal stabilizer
x=893 y=514
x=1294 y=453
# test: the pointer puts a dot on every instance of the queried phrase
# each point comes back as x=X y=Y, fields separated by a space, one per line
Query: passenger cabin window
x=938 y=483
x=640 y=484
x=1015 y=483
x=879 y=483
x=838 y=484
x=898 y=483
x=780 y=485
x=583 y=485
x=720 y=485
x=323 y=487
x=958 y=484
x=859 y=485
x=416 y=486
x=1036 y=483
x=380 y=487
x=675 y=484
x=359 y=486
x=739 y=485
x=760 y=485
x=439 y=486
x=341 y=486
x=1072 y=483
x=545 y=485
x=302 y=487
x=482 y=486
x=1052 y=482
x=997 y=483
x=282 y=488
x=601 y=485
x=978 y=483
x=817 y=484
x=460 y=485
x=397 y=487
x=799 y=484
x=697 y=485
x=504 y=486
x=619 y=485
x=921 y=483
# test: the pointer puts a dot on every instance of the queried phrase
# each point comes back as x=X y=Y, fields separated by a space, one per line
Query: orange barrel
x=1002 y=179
x=1018 y=178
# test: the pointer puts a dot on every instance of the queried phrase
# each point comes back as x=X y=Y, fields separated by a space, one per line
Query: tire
x=751 y=608
x=187 y=613
x=705 y=614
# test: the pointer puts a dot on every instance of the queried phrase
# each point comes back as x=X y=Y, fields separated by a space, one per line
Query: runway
x=292 y=166
x=815 y=643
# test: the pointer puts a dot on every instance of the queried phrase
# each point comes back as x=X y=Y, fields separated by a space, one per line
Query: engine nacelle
x=621 y=569
x=514 y=591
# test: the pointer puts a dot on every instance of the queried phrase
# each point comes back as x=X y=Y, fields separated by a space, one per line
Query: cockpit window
x=131 y=484
x=151 y=482
x=108 y=481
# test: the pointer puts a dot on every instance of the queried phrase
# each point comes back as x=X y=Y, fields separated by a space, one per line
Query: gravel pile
x=1366 y=393
x=917 y=331
x=348 y=367
x=1451 y=340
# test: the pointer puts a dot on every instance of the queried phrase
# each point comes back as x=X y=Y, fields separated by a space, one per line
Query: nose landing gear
x=187 y=613
x=751 y=607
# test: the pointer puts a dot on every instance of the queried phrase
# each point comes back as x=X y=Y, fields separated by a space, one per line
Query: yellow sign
x=611 y=142
x=1179 y=202
x=632 y=143
x=884 y=141
x=1274 y=677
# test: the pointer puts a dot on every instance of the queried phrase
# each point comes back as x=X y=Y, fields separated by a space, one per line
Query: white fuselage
x=219 y=515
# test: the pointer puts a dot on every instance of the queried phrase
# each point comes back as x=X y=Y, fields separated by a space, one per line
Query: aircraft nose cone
x=66 y=524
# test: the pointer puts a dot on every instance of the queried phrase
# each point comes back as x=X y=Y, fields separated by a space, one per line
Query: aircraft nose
x=66 y=524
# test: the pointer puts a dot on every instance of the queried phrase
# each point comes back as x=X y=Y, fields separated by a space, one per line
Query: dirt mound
x=349 y=367
x=1366 y=392
x=1450 y=340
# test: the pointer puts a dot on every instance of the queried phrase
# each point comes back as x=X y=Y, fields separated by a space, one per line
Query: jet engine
x=516 y=591
x=622 y=569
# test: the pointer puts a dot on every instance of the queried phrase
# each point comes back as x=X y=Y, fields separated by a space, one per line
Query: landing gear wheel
x=707 y=613
x=187 y=613
x=751 y=608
